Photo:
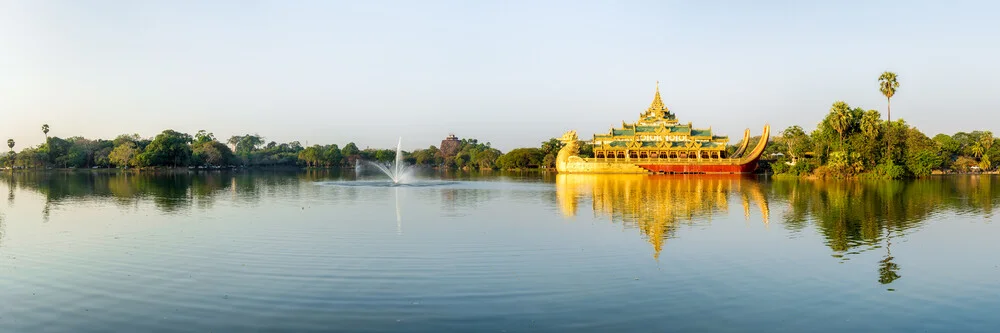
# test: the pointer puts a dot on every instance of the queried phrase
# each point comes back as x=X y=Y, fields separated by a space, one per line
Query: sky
x=512 y=73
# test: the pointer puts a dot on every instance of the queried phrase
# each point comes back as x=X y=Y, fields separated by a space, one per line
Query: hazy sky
x=513 y=73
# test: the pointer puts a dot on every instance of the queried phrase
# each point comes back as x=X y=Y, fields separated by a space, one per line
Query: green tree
x=332 y=156
x=45 y=130
x=520 y=158
x=840 y=118
x=202 y=137
x=350 y=150
x=870 y=124
x=246 y=144
x=10 y=144
x=887 y=85
x=796 y=140
x=123 y=154
x=211 y=153
x=168 y=148
x=552 y=147
x=549 y=161
x=309 y=155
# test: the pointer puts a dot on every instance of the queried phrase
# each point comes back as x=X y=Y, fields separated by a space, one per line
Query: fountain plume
x=397 y=171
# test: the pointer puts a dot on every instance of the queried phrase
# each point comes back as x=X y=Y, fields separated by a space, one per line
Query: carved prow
x=758 y=149
x=743 y=147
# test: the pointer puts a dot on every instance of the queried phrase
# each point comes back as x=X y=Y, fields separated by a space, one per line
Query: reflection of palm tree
x=887 y=269
x=46 y=211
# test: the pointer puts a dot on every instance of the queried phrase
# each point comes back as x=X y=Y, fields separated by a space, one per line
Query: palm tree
x=10 y=155
x=888 y=85
x=869 y=124
x=841 y=119
x=986 y=140
x=977 y=150
x=45 y=129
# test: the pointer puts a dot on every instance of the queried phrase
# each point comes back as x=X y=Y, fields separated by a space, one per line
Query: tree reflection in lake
x=170 y=192
x=852 y=216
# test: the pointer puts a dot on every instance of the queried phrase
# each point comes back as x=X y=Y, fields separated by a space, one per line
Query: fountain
x=397 y=171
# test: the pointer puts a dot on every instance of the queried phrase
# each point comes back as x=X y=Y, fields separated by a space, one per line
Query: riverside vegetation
x=853 y=142
x=849 y=142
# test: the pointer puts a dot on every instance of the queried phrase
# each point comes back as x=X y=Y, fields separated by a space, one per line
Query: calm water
x=287 y=251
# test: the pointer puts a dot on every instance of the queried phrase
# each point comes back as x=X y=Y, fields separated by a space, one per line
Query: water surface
x=328 y=251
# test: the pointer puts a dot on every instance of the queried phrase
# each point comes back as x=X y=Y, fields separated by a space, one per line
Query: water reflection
x=656 y=205
x=860 y=216
x=852 y=217
x=169 y=192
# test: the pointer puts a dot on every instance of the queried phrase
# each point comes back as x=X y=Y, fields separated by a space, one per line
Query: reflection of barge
x=658 y=204
x=658 y=143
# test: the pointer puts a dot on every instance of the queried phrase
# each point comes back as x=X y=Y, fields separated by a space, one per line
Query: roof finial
x=657 y=104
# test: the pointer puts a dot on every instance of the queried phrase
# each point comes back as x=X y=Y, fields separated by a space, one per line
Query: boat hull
x=701 y=168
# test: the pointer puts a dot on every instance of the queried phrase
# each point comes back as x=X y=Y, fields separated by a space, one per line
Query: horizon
x=512 y=74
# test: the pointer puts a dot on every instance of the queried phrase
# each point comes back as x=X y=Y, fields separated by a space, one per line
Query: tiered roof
x=658 y=120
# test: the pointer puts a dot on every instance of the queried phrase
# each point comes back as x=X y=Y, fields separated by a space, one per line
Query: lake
x=299 y=251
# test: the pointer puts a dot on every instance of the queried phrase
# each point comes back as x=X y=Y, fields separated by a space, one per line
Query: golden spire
x=657 y=104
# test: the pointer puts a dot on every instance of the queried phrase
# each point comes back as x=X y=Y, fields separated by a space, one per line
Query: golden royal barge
x=658 y=143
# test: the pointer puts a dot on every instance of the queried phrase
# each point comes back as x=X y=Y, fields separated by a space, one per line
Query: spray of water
x=398 y=171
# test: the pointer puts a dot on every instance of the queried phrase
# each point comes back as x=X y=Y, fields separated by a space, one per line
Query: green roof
x=645 y=128
x=624 y=132
x=679 y=129
x=697 y=132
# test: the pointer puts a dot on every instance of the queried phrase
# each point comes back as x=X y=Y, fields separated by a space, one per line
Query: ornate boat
x=658 y=143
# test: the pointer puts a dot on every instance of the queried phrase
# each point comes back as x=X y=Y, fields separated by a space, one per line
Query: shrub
x=889 y=170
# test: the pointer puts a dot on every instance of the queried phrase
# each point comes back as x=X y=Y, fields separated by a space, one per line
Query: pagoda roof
x=659 y=121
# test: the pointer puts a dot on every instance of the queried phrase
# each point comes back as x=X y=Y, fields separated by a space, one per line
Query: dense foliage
x=852 y=142
x=175 y=149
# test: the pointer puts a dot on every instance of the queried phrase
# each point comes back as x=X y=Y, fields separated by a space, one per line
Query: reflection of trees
x=168 y=191
x=656 y=205
x=453 y=199
x=857 y=215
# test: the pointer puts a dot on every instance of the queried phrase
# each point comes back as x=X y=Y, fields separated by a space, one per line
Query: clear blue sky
x=513 y=73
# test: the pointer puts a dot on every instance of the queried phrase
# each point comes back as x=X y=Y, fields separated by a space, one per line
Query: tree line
x=850 y=141
x=854 y=142
x=175 y=149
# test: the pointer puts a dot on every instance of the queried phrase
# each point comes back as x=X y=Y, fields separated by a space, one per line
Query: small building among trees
x=450 y=145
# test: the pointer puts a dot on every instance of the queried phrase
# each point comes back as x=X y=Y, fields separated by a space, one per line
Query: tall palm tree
x=10 y=155
x=888 y=85
x=45 y=129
